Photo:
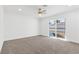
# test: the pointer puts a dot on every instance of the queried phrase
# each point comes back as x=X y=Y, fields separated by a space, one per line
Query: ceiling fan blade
x=44 y=11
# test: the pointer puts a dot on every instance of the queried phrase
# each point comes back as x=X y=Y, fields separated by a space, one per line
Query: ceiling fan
x=41 y=11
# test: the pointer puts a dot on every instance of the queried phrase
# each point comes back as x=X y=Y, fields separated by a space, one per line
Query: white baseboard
x=19 y=37
x=74 y=41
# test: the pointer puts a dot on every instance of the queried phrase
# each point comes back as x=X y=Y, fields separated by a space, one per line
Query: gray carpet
x=39 y=45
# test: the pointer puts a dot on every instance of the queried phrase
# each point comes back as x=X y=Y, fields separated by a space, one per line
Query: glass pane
x=52 y=28
x=60 y=27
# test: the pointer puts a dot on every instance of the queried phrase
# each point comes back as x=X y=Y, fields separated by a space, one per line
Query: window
x=57 y=27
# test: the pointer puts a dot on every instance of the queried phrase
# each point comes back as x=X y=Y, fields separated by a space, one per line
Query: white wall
x=72 y=25
x=19 y=26
x=44 y=26
x=1 y=27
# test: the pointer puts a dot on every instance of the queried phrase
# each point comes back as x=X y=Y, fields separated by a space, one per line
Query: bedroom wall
x=44 y=26
x=19 y=26
x=72 y=25
x=1 y=27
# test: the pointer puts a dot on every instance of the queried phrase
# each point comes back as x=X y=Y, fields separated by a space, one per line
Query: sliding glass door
x=57 y=27
x=52 y=28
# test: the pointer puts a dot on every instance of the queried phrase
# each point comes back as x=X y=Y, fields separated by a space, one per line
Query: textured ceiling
x=31 y=10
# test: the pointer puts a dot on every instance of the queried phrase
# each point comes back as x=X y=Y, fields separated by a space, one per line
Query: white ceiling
x=26 y=10
x=31 y=10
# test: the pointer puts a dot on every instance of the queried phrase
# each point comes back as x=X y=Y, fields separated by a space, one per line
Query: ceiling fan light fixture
x=40 y=14
x=42 y=11
x=19 y=9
